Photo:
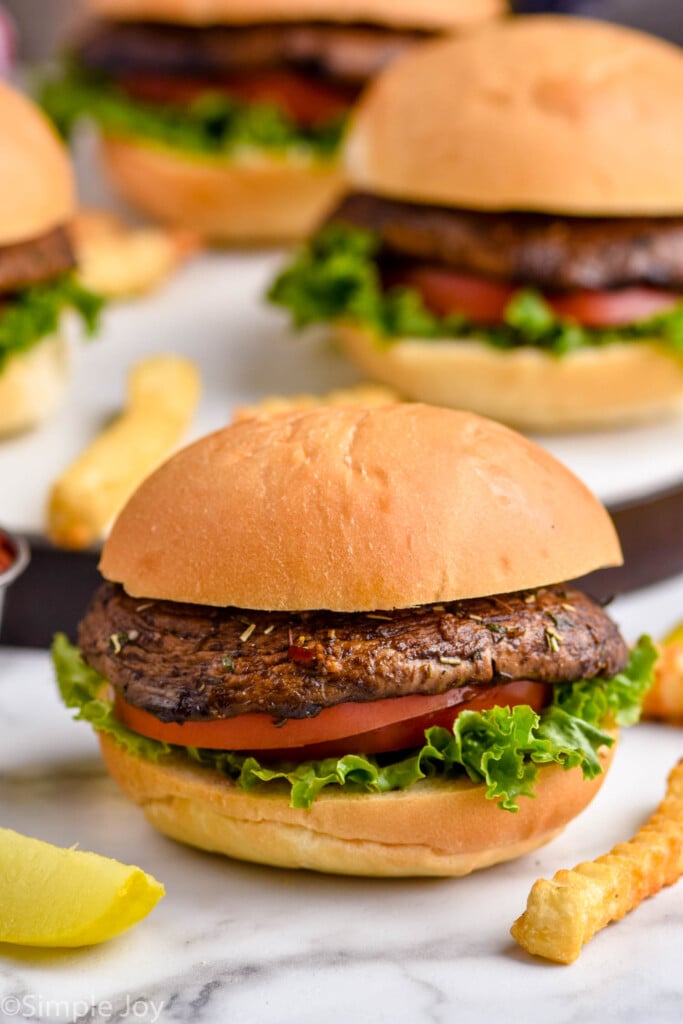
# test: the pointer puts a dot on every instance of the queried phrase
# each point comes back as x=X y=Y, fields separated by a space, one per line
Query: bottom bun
x=32 y=384
x=244 y=202
x=622 y=382
x=433 y=828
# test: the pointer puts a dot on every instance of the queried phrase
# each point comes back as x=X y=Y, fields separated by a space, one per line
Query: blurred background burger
x=517 y=252
x=228 y=117
x=37 y=282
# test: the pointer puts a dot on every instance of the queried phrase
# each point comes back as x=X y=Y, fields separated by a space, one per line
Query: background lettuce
x=34 y=313
x=335 y=277
x=211 y=126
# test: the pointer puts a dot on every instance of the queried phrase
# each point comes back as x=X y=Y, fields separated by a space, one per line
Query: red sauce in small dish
x=7 y=553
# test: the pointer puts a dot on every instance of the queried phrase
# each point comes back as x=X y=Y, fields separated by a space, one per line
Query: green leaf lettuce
x=34 y=313
x=212 y=126
x=502 y=748
x=335 y=277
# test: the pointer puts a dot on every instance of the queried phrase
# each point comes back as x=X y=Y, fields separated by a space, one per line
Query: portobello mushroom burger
x=340 y=640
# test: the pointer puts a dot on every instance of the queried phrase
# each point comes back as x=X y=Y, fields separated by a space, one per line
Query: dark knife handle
x=50 y=596
x=651 y=534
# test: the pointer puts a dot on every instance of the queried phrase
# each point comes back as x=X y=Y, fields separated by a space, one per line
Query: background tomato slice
x=368 y=728
x=446 y=291
x=482 y=301
x=613 y=308
x=307 y=101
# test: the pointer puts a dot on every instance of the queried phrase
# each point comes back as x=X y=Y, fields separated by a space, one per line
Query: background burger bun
x=355 y=509
x=551 y=114
x=37 y=195
x=435 y=827
x=623 y=382
x=238 y=202
x=427 y=14
x=37 y=192
x=32 y=384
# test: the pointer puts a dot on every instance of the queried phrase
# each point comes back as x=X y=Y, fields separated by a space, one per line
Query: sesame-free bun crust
x=354 y=508
x=36 y=181
x=427 y=14
x=537 y=113
x=32 y=384
x=227 y=201
x=434 y=827
x=619 y=383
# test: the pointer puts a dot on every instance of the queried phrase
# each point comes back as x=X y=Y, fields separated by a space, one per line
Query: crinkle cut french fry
x=162 y=395
x=564 y=913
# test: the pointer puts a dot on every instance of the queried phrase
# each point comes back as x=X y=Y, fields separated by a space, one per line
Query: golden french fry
x=664 y=700
x=564 y=913
x=117 y=261
x=162 y=395
x=358 y=394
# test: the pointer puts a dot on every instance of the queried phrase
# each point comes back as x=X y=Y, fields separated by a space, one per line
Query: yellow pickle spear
x=52 y=896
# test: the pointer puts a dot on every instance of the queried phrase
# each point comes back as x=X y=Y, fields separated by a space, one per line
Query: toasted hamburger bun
x=554 y=114
x=252 y=201
x=355 y=509
x=434 y=827
x=437 y=15
x=623 y=382
x=37 y=190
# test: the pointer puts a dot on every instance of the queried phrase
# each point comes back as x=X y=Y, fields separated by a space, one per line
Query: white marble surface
x=237 y=944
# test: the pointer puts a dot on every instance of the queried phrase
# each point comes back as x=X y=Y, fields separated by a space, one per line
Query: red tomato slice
x=446 y=291
x=307 y=101
x=368 y=728
x=410 y=733
x=483 y=301
x=613 y=308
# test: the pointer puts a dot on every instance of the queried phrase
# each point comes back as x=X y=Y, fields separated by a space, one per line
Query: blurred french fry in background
x=564 y=913
x=162 y=395
x=357 y=394
x=664 y=700
x=118 y=261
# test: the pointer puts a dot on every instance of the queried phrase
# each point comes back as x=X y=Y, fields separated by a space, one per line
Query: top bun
x=36 y=182
x=353 y=509
x=540 y=113
x=437 y=15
